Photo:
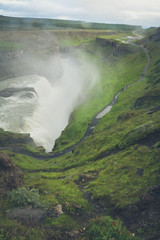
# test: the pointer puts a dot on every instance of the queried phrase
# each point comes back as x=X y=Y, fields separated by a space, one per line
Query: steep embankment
x=115 y=170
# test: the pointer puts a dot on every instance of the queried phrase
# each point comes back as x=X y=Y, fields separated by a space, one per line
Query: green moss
x=63 y=222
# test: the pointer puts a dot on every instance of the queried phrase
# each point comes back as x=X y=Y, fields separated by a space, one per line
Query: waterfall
x=44 y=112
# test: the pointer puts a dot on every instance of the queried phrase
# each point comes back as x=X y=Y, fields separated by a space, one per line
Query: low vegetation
x=107 y=228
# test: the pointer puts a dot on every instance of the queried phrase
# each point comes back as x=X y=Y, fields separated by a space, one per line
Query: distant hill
x=14 y=23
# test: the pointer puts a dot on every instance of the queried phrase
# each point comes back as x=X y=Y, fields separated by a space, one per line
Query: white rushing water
x=44 y=113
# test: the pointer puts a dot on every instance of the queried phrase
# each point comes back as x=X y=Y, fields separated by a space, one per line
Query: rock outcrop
x=156 y=35
x=8 y=139
x=10 y=176
x=118 y=48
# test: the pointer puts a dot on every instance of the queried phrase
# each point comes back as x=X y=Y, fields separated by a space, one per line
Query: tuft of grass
x=107 y=228
x=63 y=223
x=11 y=229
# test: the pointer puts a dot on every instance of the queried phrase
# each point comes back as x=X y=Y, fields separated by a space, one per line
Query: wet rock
x=8 y=92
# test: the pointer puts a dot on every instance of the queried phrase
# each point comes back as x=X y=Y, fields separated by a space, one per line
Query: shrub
x=23 y=196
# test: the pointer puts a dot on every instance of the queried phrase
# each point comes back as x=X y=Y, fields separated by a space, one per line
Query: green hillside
x=108 y=186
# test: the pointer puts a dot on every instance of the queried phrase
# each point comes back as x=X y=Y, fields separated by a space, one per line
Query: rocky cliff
x=118 y=48
x=155 y=36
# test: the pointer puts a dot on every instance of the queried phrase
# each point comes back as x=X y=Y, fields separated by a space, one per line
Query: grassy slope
x=111 y=176
x=115 y=73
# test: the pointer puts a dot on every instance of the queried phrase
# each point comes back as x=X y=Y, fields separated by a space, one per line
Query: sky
x=134 y=12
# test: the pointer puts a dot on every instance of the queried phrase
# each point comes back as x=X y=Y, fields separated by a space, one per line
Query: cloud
x=38 y=8
x=12 y=2
x=125 y=11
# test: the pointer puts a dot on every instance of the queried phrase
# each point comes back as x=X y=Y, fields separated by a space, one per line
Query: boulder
x=27 y=216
